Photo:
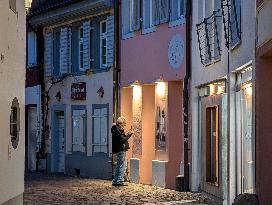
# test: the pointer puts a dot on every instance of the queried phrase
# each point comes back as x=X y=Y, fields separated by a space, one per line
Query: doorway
x=32 y=138
x=58 y=142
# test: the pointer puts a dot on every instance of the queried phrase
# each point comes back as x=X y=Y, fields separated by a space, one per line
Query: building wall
x=241 y=54
x=12 y=83
x=144 y=57
x=93 y=84
x=263 y=103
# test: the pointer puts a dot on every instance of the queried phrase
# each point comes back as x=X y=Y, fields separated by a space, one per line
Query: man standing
x=119 y=139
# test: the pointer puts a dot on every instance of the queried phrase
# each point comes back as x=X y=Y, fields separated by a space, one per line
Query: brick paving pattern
x=42 y=189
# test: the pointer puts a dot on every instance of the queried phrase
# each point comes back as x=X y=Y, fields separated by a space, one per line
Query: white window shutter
x=65 y=47
x=48 y=53
x=125 y=5
x=136 y=15
x=164 y=11
x=110 y=41
x=156 y=12
x=86 y=44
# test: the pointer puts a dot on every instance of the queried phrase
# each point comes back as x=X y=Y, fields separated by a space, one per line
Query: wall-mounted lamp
x=135 y=83
x=137 y=90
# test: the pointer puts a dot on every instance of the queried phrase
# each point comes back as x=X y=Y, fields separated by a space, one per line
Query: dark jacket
x=119 y=139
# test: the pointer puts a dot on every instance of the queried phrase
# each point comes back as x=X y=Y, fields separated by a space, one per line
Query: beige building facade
x=12 y=81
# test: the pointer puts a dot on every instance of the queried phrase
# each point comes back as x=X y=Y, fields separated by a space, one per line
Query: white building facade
x=12 y=104
x=223 y=50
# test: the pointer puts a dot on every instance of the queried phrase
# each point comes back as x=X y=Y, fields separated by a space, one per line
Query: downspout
x=186 y=97
x=116 y=68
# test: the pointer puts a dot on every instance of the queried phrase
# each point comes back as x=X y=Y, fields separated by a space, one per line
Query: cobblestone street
x=41 y=189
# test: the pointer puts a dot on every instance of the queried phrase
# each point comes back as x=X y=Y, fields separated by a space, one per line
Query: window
x=147 y=14
x=103 y=44
x=12 y=5
x=178 y=8
x=15 y=122
x=79 y=121
x=32 y=49
x=100 y=128
x=235 y=22
x=212 y=146
x=80 y=49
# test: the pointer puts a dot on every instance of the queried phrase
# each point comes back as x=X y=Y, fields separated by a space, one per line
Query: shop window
x=212 y=146
x=12 y=5
x=100 y=129
x=15 y=122
x=79 y=121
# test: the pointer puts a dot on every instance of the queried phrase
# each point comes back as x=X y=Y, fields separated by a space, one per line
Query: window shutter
x=65 y=47
x=110 y=40
x=125 y=5
x=48 y=53
x=136 y=15
x=86 y=45
x=146 y=14
x=156 y=12
x=174 y=10
x=164 y=11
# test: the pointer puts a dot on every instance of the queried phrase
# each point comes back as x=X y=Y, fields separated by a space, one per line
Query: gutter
x=186 y=97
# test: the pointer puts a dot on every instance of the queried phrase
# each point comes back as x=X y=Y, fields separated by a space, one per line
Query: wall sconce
x=101 y=92
x=137 y=90
x=58 y=96
x=160 y=86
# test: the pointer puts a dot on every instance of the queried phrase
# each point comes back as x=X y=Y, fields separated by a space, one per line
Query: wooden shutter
x=146 y=14
x=110 y=40
x=164 y=11
x=65 y=50
x=86 y=45
x=136 y=15
x=156 y=12
x=48 y=53
x=125 y=5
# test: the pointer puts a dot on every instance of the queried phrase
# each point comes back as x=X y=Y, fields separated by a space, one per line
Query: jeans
x=119 y=170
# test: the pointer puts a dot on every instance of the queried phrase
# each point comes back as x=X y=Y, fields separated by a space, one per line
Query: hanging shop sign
x=78 y=91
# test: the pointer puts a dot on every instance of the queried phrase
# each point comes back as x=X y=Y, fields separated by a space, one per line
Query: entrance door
x=59 y=142
x=32 y=138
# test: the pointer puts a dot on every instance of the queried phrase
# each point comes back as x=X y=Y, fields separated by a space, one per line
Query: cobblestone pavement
x=41 y=189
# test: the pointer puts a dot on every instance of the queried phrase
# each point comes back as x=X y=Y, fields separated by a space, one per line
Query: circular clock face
x=176 y=51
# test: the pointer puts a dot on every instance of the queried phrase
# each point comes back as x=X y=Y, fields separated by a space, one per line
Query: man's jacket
x=119 y=139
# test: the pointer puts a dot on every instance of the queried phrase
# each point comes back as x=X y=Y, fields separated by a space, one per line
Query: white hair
x=121 y=120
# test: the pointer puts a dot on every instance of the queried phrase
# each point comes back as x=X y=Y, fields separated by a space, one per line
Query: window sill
x=148 y=30
x=212 y=63
x=128 y=36
x=31 y=66
x=177 y=22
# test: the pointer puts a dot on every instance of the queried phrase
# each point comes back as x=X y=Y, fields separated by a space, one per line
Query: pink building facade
x=152 y=71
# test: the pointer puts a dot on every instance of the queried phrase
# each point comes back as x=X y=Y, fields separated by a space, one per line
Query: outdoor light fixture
x=159 y=80
x=137 y=90
x=58 y=96
x=248 y=88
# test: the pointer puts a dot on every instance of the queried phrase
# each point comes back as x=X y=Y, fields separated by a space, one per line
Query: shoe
x=119 y=184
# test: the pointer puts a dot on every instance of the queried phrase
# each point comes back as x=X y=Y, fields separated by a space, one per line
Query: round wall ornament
x=176 y=51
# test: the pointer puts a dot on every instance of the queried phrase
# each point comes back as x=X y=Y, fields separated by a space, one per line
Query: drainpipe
x=116 y=71
x=186 y=97
x=116 y=68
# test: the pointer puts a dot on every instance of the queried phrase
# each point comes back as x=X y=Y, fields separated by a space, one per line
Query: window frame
x=233 y=42
x=94 y=107
x=103 y=36
x=34 y=47
x=151 y=28
x=85 y=122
